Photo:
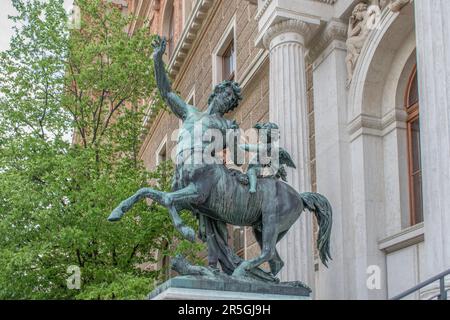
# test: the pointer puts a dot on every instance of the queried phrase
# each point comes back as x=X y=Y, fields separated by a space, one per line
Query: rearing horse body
x=216 y=192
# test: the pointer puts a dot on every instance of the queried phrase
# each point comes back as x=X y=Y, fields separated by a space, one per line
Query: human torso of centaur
x=194 y=142
x=196 y=132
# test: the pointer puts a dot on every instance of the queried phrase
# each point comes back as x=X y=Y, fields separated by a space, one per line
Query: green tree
x=71 y=111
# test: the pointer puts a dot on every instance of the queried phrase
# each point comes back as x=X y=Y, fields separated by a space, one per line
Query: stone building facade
x=360 y=91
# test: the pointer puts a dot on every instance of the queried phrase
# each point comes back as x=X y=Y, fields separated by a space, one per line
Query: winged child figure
x=270 y=159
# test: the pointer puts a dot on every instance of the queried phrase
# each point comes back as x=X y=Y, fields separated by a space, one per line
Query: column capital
x=287 y=26
x=334 y=30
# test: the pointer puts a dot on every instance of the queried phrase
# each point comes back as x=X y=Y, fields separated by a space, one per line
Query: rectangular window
x=161 y=152
x=229 y=62
x=224 y=56
x=162 y=156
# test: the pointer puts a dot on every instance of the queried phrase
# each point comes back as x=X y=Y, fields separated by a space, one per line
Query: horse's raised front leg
x=166 y=199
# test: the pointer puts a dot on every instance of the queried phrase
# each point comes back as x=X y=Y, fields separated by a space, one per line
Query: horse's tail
x=323 y=212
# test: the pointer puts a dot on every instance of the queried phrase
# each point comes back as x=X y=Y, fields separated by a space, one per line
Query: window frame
x=230 y=53
x=413 y=115
x=162 y=150
x=226 y=41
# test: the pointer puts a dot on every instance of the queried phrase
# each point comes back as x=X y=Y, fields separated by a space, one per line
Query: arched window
x=414 y=150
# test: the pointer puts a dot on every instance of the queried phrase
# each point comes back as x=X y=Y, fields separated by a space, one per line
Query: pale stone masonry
x=353 y=141
x=434 y=83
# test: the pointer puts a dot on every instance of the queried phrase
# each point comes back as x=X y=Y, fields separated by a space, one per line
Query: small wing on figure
x=285 y=158
x=282 y=174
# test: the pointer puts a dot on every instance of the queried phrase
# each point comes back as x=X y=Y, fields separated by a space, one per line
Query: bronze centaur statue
x=218 y=195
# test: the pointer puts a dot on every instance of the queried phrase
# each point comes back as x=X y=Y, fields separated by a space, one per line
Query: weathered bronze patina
x=219 y=196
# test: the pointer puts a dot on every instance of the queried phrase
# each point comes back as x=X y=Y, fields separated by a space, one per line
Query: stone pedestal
x=206 y=288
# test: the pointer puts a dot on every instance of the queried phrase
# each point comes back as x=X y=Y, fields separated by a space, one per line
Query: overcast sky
x=6 y=9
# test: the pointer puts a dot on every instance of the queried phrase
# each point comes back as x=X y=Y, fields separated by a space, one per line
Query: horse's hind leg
x=176 y=199
x=276 y=264
x=269 y=240
x=127 y=204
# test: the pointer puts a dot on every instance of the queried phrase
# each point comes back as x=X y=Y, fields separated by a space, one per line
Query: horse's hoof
x=116 y=215
x=239 y=272
x=188 y=233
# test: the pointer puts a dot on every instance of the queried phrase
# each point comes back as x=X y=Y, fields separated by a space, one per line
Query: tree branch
x=113 y=110
x=97 y=117
x=80 y=261
x=133 y=252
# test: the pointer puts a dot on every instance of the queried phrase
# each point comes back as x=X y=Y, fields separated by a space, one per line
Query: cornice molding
x=267 y=3
x=189 y=35
x=372 y=125
x=263 y=9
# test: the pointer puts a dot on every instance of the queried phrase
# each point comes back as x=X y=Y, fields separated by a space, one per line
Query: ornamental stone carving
x=394 y=5
x=334 y=30
x=359 y=27
x=358 y=31
x=397 y=5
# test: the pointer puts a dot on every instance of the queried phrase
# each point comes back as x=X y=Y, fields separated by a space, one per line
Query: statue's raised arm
x=176 y=104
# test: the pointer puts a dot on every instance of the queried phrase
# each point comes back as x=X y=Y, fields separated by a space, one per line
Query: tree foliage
x=71 y=109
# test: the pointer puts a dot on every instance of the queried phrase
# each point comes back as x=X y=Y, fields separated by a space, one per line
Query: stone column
x=288 y=108
x=433 y=52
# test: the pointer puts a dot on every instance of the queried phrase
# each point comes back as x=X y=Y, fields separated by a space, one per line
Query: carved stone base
x=229 y=288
